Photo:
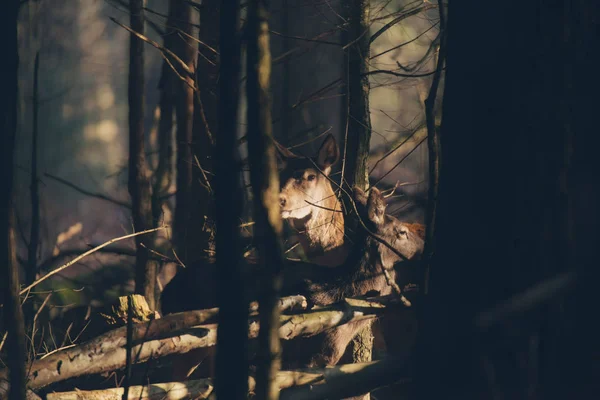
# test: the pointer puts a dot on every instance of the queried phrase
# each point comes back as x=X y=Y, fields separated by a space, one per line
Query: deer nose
x=282 y=201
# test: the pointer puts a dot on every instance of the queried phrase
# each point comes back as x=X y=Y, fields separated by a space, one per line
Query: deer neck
x=321 y=233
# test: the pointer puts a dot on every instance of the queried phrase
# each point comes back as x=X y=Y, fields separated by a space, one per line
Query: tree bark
x=140 y=188
x=181 y=333
x=199 y=236
x=9 y=283
x=180 y=14
x=525 y=204
x=358 y=134
x=355 y=171
x=265 y=188
x=232 y=352
x=34 y=232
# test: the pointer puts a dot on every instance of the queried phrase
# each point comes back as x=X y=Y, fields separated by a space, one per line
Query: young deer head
x=404 y=238
x=310 y=205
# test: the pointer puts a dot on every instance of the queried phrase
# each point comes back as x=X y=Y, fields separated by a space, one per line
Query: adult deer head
x=304 y=180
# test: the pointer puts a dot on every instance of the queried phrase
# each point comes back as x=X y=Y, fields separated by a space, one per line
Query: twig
x=87 y=253
x=405 y=43
x=393 y=22
x=86 y=192
x=158 y=46
x=399 y=162
x=398 y=74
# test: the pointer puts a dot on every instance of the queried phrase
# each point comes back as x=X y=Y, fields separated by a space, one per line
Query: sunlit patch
x=73 y=230
x=105 y=97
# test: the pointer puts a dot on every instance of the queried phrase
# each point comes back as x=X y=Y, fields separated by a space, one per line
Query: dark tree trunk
x=357 y=134
x=180 y=14
x=34 y=233
x=265 y=188
x=199 y=235
x=140 y=188
x=232 y=346
x=9 y=280
x=518 y=204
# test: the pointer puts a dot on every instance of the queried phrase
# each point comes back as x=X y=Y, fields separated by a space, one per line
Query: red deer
x=361 y=274
x=310 y=206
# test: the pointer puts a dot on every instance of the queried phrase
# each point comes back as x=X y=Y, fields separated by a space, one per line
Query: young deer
x=310 y=206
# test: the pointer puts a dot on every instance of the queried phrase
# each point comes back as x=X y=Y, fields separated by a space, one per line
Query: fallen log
x=317 y=382
x=156 y=339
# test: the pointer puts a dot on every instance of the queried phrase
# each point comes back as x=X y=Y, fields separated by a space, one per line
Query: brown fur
x=361 y=274
x=310 y=206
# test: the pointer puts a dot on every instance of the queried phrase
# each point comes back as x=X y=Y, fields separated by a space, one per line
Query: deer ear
x=329 y=153
x=360 y=197
x=376 y=206
x=282 y=152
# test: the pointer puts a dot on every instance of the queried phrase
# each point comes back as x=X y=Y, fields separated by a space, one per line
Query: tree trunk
x=34 y=233
x=232 y=350
x=180 y=14
x=357 y=134
x=518 y=205
x=355 y=171
x=140 y=188
x=265 y=188
x=9 y=281
x=199 y=238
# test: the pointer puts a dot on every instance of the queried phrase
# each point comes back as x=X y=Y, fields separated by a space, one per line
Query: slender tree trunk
x=265 y=188
x=287 y=71
x=9 y=280
x=34 y=233
x=358 y=134
x=199 y=238
x=163 y=173
x=140 y=188
x=357 y=84
x=180 y=14
x=232 y=346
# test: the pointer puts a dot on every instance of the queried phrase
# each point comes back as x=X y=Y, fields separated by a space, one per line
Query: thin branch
x=405 y=43
x=402 y=17
x=87 y=253
x=398 y=74
x=530 y=298
x=399 y=162
x=87 y=192
x=158 y=46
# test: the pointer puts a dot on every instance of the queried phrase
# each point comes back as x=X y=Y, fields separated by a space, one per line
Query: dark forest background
x=500 y=167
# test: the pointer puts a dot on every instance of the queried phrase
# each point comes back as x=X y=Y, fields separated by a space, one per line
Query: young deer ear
x=360 y=197
x=329 y=153
x=376 y=206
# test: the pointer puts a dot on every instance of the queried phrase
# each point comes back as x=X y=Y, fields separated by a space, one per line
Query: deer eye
x=401 y=232
x=311 y=177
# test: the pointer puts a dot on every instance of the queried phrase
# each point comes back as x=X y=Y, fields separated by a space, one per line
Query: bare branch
x=87 y=253
x=88 y=193
x=399 y=18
